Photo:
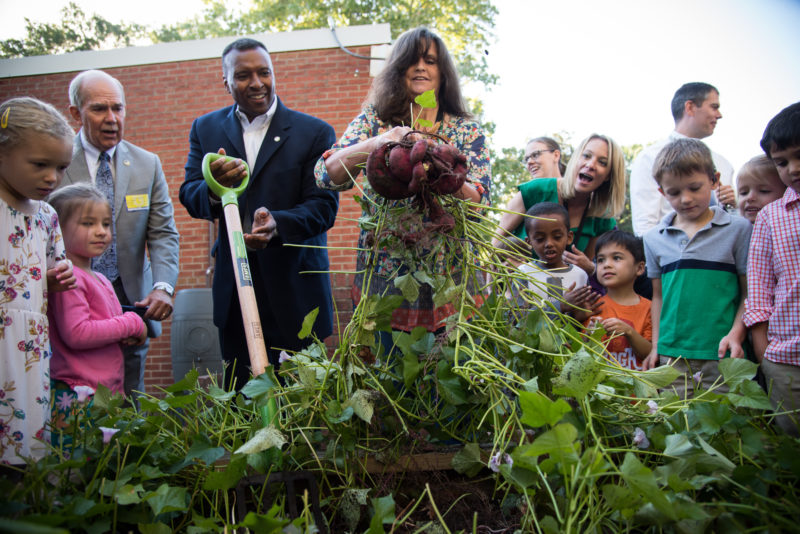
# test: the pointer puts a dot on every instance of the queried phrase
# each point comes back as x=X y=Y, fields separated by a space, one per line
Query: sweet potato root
x=400 y=165
x=419 y=151
x=407 y=168
x=380 y=177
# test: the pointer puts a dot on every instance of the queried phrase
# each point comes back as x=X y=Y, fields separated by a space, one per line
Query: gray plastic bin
x=195 y=341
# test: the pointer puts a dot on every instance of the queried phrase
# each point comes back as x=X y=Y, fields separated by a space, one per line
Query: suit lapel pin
x=277 y=138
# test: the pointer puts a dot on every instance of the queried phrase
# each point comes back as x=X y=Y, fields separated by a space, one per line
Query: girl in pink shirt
x=87 y=324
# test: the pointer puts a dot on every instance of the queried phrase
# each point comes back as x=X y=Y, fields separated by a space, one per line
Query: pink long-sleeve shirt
x=86 y=327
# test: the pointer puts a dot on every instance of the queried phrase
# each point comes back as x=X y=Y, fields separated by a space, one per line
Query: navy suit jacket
x=282 y=180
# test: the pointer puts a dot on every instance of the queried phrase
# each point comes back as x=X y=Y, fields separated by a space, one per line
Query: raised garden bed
x=576 y=443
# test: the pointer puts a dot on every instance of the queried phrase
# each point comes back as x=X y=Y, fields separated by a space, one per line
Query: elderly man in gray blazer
x=142 y=210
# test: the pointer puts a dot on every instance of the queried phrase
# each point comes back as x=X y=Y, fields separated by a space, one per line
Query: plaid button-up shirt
x=773 y=277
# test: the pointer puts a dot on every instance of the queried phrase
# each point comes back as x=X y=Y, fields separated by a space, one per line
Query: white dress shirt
x=253 y=132
x=92 y=154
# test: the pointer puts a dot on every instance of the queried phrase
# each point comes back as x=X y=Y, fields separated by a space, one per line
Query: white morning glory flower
x=108 y=433
x=83 y=392
x=640 y=439
x=498 y=459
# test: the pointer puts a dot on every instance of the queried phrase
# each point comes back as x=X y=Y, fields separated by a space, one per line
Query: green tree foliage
x=508 y=171
x=464 y=25
x=75 y=31
x=630 y=152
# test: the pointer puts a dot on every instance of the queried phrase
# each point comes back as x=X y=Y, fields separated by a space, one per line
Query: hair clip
x=4 y=118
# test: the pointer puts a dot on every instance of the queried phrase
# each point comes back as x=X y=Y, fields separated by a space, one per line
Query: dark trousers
x=233 y=342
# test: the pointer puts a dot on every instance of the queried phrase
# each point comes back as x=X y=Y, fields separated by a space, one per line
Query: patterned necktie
x=106 y=263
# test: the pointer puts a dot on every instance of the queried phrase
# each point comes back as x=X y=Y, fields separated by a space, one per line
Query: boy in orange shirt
x=620 y=259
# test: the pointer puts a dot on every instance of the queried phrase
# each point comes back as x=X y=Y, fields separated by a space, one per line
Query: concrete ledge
x=350 y=36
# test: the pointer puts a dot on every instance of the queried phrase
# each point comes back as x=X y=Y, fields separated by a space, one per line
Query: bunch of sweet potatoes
x=403 y=169
x=423 y=168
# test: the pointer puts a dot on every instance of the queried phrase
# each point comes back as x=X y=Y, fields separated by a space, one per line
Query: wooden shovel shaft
x=247 y=296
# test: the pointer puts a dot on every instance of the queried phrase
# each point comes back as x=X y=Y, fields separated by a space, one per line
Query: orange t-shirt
x=638 y=316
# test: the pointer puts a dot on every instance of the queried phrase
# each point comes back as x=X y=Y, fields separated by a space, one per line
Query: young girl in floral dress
x=35 y=150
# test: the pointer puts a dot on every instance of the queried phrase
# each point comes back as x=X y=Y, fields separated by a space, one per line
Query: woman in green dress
x=592 y=190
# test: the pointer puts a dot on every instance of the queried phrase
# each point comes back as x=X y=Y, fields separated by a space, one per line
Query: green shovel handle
x=227 y=194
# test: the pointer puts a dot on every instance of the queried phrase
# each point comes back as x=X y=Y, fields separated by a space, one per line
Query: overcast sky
x=612 y=67
x=583 y=66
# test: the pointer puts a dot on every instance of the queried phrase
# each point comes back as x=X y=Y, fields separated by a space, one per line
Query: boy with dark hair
x=620 y=260
x=551 y=278
x=772 y=310
x=697 y=258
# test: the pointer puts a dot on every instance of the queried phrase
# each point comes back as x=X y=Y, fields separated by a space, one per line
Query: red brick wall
x=163 y=100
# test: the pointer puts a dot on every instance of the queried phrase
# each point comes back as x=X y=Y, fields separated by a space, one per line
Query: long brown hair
x=389 y=94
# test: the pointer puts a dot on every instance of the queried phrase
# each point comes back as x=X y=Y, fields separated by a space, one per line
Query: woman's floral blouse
x=387 y=265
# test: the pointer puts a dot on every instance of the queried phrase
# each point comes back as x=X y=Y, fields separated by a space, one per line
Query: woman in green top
x=592 y=190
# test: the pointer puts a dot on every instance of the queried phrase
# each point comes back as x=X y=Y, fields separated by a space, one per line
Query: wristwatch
x=165 y=287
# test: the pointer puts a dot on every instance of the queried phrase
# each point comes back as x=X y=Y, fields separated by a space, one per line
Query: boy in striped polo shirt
x=773 y=275
x=697 y=259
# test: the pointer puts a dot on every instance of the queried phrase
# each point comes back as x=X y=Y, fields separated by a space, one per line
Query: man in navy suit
x=281 y=206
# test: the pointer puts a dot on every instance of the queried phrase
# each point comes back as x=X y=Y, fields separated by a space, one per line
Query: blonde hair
x=22 y=116
x=608 y=200
x=762 y=170
x=68 y=200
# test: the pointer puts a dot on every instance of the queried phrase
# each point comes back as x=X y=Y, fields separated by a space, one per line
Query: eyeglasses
x=537 y=154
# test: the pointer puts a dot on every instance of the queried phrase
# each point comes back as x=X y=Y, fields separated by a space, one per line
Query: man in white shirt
x=695 y=108
x=281 y=147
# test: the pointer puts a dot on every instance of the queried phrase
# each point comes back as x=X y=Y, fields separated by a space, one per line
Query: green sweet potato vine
x=168 y=467
x=578 y=443
x=570 y=441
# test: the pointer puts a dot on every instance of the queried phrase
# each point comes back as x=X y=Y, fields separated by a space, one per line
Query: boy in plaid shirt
x=772 y=309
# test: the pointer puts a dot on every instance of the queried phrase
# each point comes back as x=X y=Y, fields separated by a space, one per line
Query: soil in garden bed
x=457 y=498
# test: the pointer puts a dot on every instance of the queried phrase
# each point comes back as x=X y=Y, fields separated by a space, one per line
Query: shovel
x=244 y=280
x=255 y=343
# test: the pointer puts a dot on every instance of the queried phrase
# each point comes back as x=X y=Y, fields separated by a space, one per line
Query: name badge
x=137 y=202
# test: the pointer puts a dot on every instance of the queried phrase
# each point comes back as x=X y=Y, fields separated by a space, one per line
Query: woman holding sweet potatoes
x=419 y=62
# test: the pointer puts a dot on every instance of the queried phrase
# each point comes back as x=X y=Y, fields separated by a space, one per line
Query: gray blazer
x=138 y=172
